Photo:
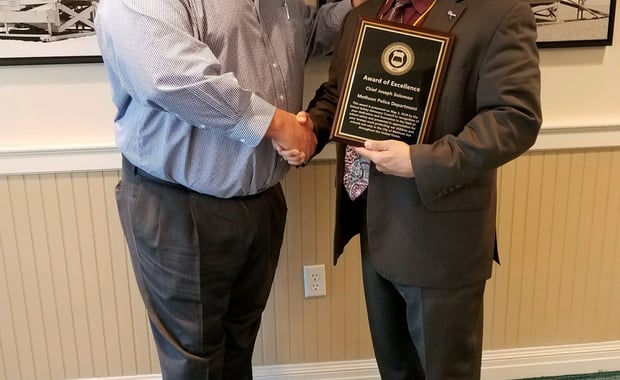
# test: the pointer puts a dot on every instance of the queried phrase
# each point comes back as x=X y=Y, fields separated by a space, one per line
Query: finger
x=363 y=152
x=287 y=153
x=383 y=169
x=276 y=146
x=302 y=117
x=376 y=145
x=291 y=154
x=297 y=161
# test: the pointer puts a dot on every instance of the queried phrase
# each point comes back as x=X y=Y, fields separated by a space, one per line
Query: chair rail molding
x=105 y=156
x=496 y=365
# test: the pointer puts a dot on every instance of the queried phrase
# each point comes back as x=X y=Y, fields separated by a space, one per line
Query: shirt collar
x=420 y=5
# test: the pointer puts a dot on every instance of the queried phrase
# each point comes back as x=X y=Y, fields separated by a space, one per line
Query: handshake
x=292 y=136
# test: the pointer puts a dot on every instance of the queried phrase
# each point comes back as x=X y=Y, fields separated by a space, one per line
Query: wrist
x=277 y=126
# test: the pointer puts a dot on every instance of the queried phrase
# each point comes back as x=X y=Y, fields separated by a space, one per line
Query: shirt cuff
x=255 y=121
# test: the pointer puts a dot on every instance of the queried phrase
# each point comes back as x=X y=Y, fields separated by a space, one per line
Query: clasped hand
x=390 y=156
x=295 y=141
x=298 y=156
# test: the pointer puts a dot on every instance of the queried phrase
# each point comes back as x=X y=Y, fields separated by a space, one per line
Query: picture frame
x=570 y=23
x=36 y=32
x=574 y=23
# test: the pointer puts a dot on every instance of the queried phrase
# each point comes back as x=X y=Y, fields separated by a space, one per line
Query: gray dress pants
x=204 y=267
x=422 y=333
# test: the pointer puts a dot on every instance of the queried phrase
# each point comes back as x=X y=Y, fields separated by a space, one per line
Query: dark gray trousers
x=421 y=333
x=204 y=266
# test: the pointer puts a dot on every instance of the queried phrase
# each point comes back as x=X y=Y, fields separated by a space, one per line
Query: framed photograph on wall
x=574 y=23
x=570 y=23
x=48 y=32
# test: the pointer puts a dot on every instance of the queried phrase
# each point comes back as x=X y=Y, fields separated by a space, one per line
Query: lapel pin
x=451 y=15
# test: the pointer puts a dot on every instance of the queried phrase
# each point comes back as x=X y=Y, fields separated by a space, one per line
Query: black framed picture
x=574 y=23
x=62 y=31
x=570 y=23
x=48 y=32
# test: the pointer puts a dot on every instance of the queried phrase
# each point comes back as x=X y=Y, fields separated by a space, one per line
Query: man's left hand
x=390 y=156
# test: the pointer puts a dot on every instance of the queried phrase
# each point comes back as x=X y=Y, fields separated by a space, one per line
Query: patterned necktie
x=398 y=10
x=356 y=168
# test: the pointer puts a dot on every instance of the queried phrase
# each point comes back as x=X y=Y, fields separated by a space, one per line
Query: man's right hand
x=288 y=133
x=293 y=156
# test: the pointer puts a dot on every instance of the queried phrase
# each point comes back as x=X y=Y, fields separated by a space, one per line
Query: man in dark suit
x=427 y=217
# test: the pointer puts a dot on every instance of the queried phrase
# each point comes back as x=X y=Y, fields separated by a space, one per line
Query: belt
x=136 y=171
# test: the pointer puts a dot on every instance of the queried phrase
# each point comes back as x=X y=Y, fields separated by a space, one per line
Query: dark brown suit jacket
x=438 y=229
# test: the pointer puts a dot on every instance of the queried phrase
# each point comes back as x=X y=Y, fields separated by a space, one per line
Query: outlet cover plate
x=314 y=281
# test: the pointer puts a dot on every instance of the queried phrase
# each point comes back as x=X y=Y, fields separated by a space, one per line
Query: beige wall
x=69 y=307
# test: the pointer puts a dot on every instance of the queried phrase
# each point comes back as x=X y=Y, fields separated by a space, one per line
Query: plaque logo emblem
x=397 y=58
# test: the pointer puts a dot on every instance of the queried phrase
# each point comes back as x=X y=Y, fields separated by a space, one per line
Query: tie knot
x=397 y=10
x=401 y=3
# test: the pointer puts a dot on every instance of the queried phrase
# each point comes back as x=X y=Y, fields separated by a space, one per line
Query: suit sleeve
x=322 y=107
x=507 y=116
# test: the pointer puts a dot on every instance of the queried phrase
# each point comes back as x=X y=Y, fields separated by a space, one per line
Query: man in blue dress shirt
x=203 y=91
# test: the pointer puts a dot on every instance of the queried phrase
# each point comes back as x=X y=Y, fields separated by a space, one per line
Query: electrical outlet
x=314 y=281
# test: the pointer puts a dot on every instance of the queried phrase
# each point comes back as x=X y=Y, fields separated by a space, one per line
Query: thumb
x=376 y=145
x=276 y=146
x=302 y=117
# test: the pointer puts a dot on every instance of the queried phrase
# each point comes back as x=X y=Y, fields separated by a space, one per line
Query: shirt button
x=281 y=97
x=242 y=140
x=274 y=65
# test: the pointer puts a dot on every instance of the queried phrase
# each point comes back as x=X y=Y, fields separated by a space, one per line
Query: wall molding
x=105 y=156
x=496 y=365
x=551 y=360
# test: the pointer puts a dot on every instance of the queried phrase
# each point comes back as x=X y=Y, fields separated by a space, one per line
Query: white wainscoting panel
x=496 y=365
